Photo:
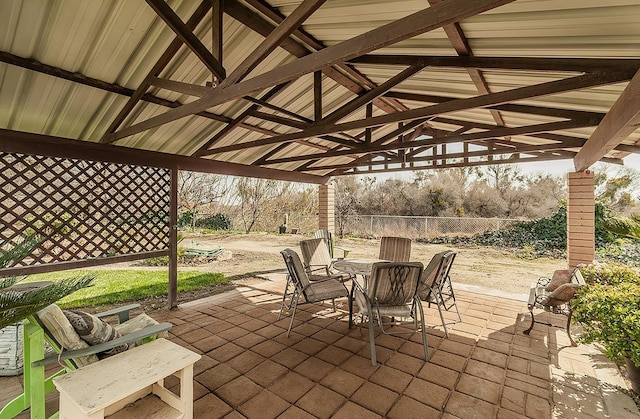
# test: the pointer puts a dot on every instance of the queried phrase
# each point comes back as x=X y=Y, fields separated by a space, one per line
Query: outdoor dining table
x=356 y=267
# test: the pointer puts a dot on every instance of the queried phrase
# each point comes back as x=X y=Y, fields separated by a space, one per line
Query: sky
x=562 y=167
x=554 y=167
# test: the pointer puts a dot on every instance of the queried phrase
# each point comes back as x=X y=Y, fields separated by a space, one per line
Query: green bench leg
x=35 y=384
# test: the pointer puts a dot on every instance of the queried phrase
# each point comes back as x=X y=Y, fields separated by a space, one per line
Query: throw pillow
x=57 y=325
x=561 y=295
x=94 y=331
x=561 y=276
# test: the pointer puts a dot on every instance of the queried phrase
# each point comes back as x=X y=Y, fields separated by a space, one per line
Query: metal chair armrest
x=543 y=281
x=344 y=251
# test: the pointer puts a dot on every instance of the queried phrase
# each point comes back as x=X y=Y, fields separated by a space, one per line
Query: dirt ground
x=259 y=253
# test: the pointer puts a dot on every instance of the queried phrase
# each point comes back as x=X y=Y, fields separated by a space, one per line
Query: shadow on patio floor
x=486 y=369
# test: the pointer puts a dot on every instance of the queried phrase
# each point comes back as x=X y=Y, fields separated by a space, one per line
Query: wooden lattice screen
x=84 y=210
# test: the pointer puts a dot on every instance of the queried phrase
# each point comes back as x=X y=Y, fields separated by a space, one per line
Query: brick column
x=581 y=242
x=326 y=208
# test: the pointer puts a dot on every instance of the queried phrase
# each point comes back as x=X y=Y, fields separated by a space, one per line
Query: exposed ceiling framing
x=306 y=90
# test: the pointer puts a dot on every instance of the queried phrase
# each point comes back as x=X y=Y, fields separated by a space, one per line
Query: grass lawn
x=119 y=286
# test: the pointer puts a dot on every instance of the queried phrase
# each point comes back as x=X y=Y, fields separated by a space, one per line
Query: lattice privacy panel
x=83 y=209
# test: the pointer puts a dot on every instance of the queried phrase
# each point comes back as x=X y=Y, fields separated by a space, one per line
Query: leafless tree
x=257 y=197
x=197 y=190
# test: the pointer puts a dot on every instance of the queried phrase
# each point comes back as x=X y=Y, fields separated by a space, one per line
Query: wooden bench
x=130 y=385
x=557 y=300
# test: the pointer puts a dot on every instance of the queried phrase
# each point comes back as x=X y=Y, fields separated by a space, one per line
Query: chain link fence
x=422 y=227
x=382 y=225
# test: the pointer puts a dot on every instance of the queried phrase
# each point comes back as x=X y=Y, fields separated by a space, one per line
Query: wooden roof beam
x=162 y=62
x=482 y=101
x=46 y=145
x=79 y=78
x=311 y=45
x=622 y=119
x=506 y=107
x=497 y=132
x=187 y=36
x=461 y=45
x=577 y=65
x=273 y=40
x=369 y=96
x=407 y=27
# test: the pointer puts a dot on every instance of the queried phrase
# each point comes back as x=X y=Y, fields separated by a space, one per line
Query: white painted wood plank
x=98 y=385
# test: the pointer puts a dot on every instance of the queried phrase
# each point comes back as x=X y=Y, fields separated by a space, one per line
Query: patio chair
x=392 y=293
x=70 y=350
x=316 y=291
x=395 y=249
x=326 y=234
x=318 y=261
x=436 y=285
x=554 y=295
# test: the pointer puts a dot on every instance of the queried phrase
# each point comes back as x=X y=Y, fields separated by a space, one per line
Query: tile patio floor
x=486 y=368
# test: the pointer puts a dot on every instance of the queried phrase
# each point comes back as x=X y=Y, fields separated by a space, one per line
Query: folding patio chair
x=395 y=249
x=436 y=285
x=70 y=350
x=316 y=291
x=392 y=292
x=326 y=234
x=317 y=260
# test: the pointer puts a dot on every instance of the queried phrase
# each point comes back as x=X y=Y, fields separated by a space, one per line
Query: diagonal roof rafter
x=542 y=89
x=404 y=28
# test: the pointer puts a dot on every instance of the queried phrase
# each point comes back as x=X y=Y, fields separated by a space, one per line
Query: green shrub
x=215 y=222
x=544 y=234
x=185 y=219
x=609 y=274
x=610 y=314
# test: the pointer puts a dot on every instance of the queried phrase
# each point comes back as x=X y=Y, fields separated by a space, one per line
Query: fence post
x=426 y=227
x=371 y=227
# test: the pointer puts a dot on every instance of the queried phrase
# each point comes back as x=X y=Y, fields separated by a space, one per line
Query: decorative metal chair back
x=395 y=249
x=393 y=284
x=316 y=256
x=392 y=293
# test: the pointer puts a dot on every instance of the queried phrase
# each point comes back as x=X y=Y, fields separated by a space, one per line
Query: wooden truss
x=382 y=128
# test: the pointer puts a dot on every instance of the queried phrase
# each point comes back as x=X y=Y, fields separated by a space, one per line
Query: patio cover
x=305 y=90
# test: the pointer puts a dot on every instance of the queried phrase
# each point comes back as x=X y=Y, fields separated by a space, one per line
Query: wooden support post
x=326 y=208
x=580 y=219
x=173 y=240
x=317 y=96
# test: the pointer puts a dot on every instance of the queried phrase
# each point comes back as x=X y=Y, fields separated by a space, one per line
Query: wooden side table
x=131 y=385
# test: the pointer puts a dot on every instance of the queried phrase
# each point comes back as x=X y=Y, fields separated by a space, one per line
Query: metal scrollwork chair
x=554 y=295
